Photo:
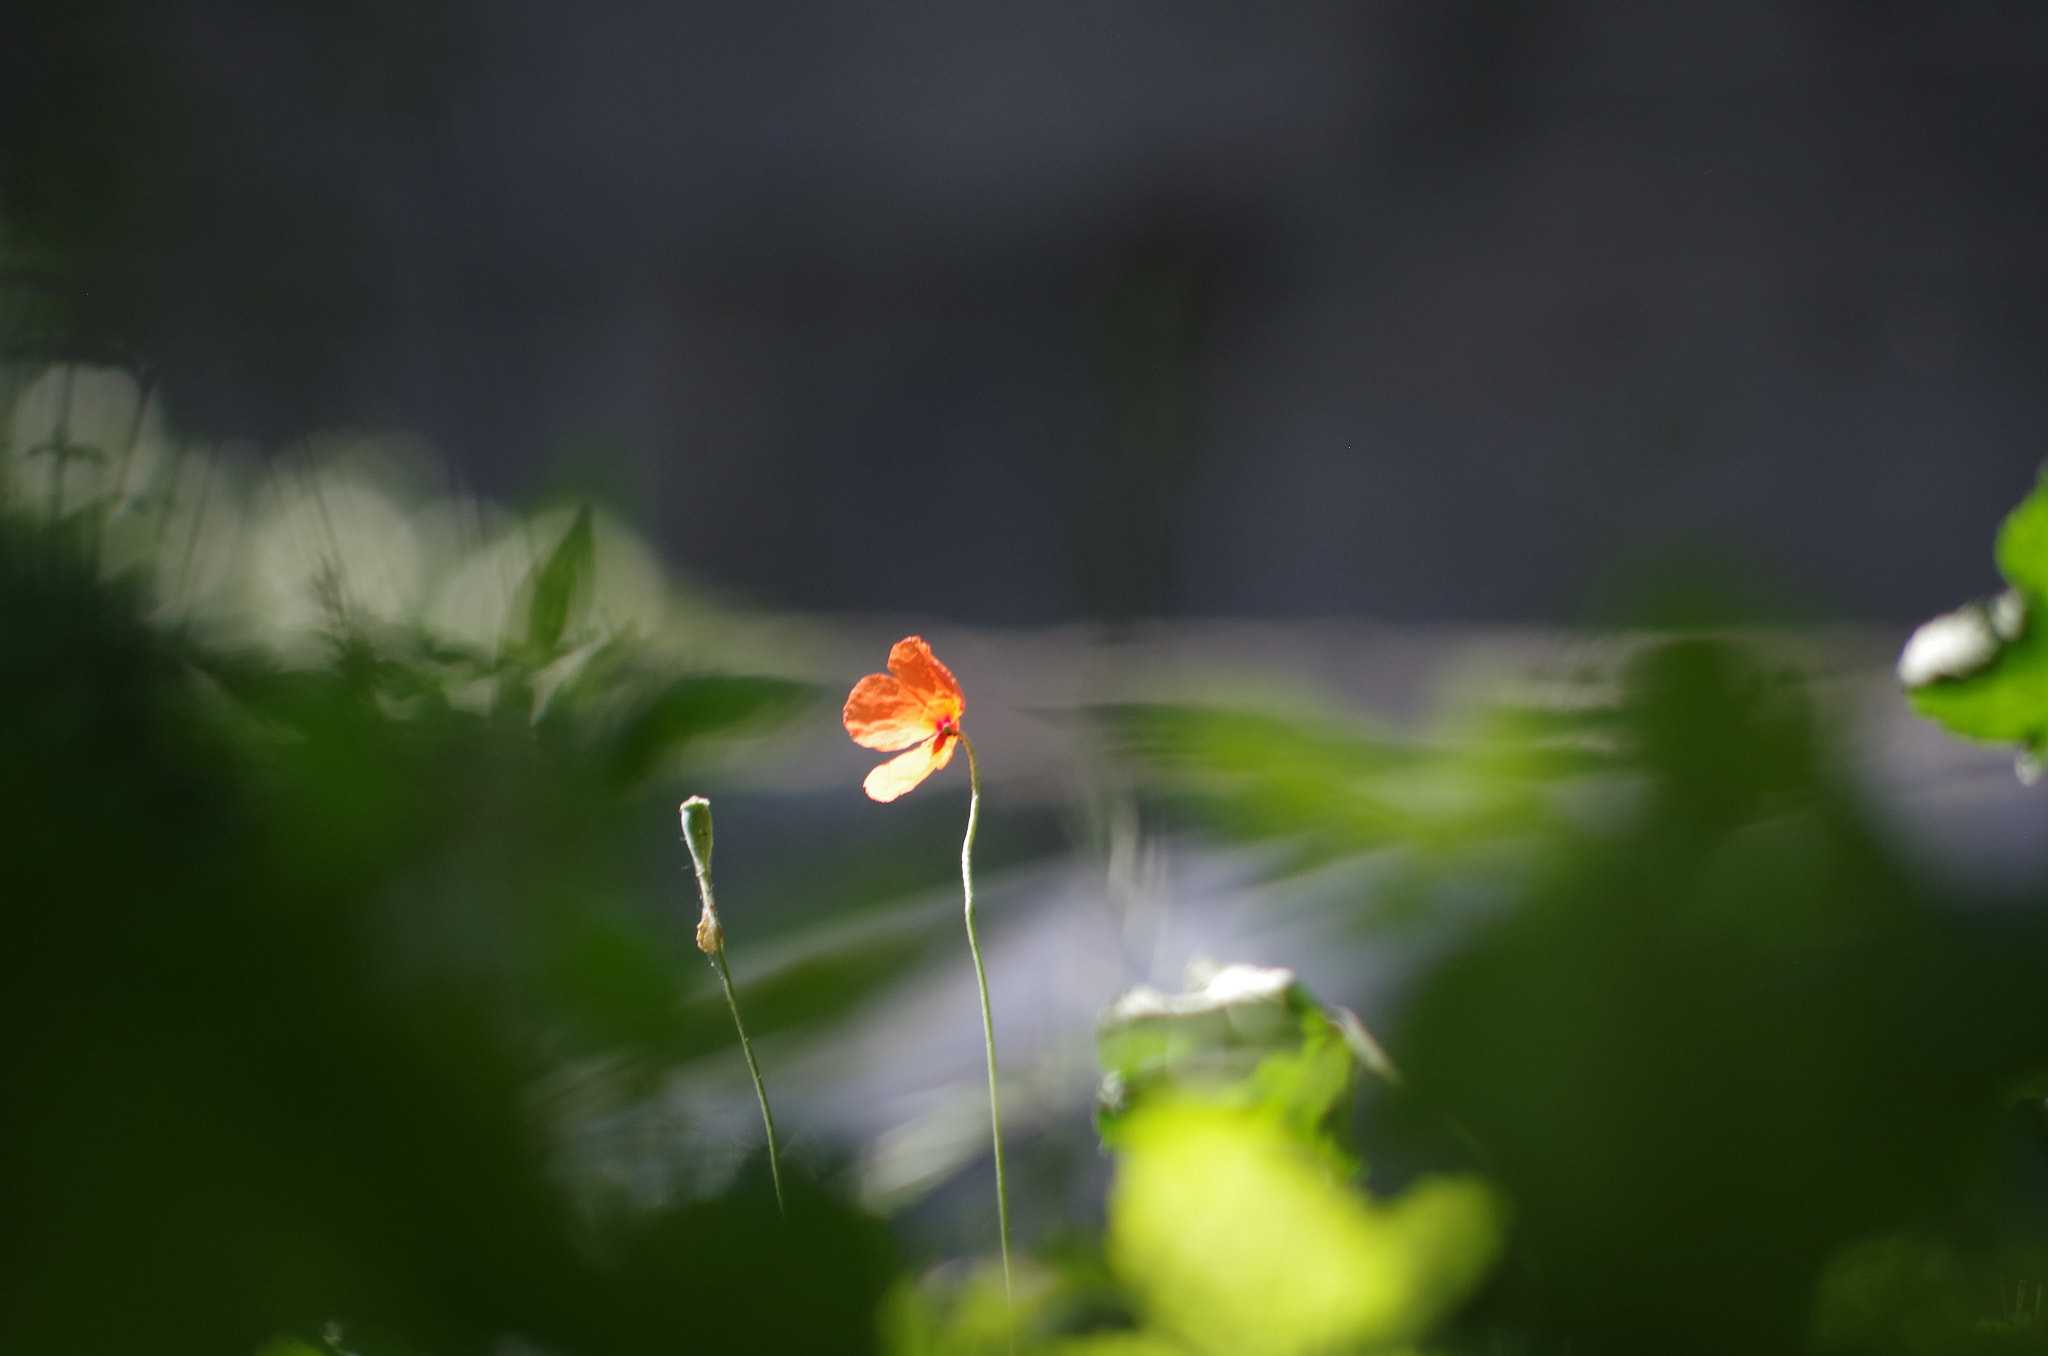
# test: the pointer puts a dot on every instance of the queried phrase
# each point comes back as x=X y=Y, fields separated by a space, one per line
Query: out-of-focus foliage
x=1235 y=1240
x=332 y=988
x=319 y=918
x=1982 y=670
x=1234 y=1226
x=1714 y=1042
x=1231 y=1223
x=1899 y=1292
x=962 y=1310
x=1246 y=1037
x=1325 y=789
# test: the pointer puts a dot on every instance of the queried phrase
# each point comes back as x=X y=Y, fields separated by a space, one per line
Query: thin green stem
x=988 y=1021
x=746 y=1046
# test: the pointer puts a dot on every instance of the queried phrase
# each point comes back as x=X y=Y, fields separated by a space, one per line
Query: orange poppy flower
x=916 y=706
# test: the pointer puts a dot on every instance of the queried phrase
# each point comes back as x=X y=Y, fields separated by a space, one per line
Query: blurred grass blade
x=561 y=583
x=692 y=707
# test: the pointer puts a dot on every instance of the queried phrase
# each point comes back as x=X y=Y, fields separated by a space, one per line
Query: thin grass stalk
x=696 y=821
x=753 y=1069
x=988 y=1021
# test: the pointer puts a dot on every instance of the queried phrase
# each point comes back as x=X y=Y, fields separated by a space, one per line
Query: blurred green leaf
x=1982 y=670
x=1902 y=1294
x=825 y=972
x=2004 y=702
x=1242 y=1036
x=958 y=1312
x=286 y=1346
x=690 y=708
x=1237 y=1241
x=1122 y=1344
x=2023 y=545
x=284 y=956
x=1721 y=1034
x=613 y=981
x=1325 y=790
x=560 y=584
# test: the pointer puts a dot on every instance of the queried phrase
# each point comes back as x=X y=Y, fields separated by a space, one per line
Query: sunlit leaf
x=1243 y=1036
x=2023 y=545
x=1238 y=1242
x=2004 y=702
x=1982 y=670
x=1122 y=1344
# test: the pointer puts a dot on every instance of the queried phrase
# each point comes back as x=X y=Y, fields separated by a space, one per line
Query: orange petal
x=906 y=770
x=913 y=661
x=881 y=713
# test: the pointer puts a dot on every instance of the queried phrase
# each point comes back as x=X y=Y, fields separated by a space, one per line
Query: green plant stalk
x=732 y=1002
x=988 y=1021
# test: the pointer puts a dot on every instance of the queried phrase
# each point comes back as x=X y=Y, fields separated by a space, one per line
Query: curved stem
x=988 y=1021
x=746 y=1046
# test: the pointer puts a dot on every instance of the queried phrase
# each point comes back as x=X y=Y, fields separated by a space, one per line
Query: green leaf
x=824 y=982
x=1238 y=1243
x=1243 y=1036
x=692 y=708
x=2023 y=545
x=1982 y=670
x=612 y=981
x=1330 y=790
x=561 y=584
x=2004 y=702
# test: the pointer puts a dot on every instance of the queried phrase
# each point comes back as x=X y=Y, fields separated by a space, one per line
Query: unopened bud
x=696 y=815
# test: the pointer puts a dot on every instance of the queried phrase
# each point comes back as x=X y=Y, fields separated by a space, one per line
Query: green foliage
x=1237 y=1242
x=1233 y=1227
x=1325 y=790
x=286 y=952
x=1713 y=1036
x=2004 y=703
x=1982 y=671
x=1231 y=1224
x=560 y=585
x=2023 y=545
x=1246 y=1038
x=955 y=1311
x=328 y=957
x=1912 y=1294
x=671 y=713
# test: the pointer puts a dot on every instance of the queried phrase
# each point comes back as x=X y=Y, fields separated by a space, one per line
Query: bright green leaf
x=1241 y=1036
x=1982 y=670
x=2004 y=702
x=1238 y=1242
x=2023 y=545
x=1122 y=1344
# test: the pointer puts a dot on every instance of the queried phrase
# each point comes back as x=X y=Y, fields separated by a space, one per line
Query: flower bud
x=696 y=815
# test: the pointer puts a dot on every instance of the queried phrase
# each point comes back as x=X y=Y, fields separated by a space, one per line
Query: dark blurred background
x=1419 y=309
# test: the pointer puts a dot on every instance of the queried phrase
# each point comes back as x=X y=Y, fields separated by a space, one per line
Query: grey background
x=1013 y=314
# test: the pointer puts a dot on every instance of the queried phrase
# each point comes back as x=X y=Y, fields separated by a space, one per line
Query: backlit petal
x=881 y=713
x=906 y=770
x=913 y=661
